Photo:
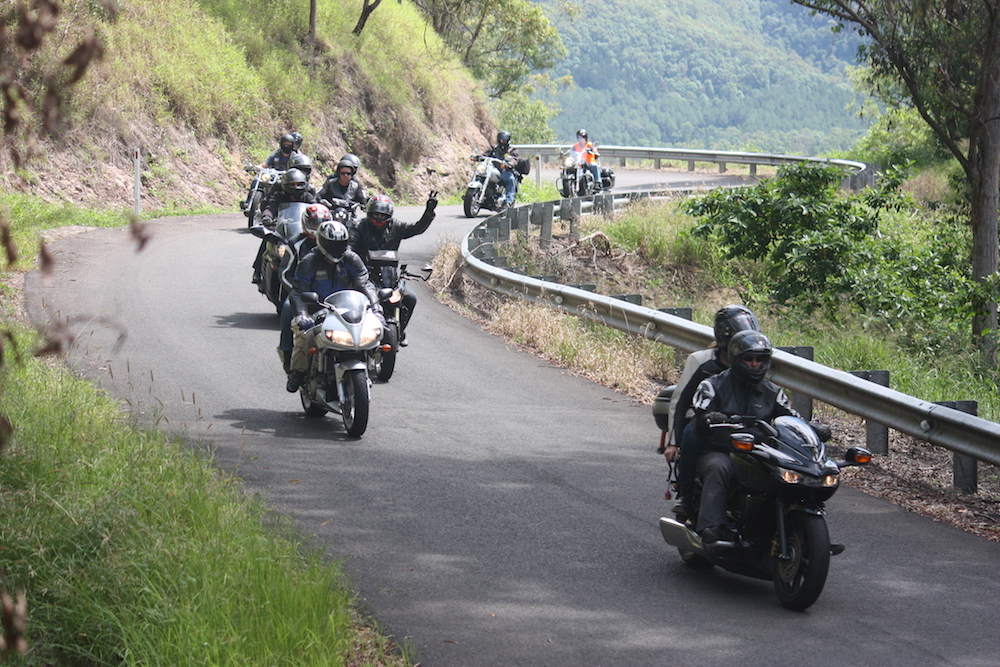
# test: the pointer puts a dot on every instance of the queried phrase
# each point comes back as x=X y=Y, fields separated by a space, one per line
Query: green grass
x=133 y=550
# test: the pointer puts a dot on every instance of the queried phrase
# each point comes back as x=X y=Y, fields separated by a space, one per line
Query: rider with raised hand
x=381 y=230
x=330 y=267
x=343 y=183
x=279 y=158
x=312 y=218
x=294 y=188
x=739 y=390
x=586 y=149
x=700 y=365
x=508 y=154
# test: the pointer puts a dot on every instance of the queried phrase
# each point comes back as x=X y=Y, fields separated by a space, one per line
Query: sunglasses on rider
x=344 y=173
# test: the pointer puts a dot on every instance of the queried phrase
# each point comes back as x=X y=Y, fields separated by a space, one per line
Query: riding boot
x=286 y=359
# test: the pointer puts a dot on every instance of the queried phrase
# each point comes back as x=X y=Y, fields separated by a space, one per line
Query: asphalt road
x=499 y=510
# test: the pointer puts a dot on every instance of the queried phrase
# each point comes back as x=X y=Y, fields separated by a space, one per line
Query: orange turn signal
x=743 y=442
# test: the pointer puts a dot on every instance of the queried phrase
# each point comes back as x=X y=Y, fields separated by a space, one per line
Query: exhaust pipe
x=678 y=535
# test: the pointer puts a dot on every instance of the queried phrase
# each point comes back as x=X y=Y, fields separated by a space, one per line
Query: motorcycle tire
x=354 y=408
x=252 y=209
x=799 y=581
x=471 y=203
x=311 y=409
x=384 y=361
x=564 y=188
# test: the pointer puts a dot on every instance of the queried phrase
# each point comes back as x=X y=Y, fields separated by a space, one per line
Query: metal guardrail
x=943 y=426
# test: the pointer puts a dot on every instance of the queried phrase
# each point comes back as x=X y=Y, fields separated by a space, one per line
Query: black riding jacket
x=366 y=236
x=729 y=395
x=699 y=366
x=314 y=273
x=279 y=196
x=331 y=189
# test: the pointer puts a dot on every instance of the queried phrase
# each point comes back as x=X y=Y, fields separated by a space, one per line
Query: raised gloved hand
x=303 y=323
x=432 y=201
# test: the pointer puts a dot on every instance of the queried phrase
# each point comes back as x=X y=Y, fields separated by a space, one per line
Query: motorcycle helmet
x=301 y=162
x=379 y=210
x=351 y=161
x=503 y=139
x=293 y=182
x=297 y=140
x=582 y=134
x=731 y=319
x=331 y=240
x=286 y=143
x=744 y=348
x=313 y=217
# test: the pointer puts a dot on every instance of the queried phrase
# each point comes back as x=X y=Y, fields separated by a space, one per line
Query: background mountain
x=723 y=74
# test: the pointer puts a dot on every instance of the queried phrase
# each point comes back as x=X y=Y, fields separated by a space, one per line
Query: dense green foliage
x=848 y=255
x=722 y=74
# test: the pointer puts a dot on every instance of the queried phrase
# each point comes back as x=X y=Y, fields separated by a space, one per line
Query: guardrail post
x=538 y=171
x=521 y=218
x=690 y=165
x=604 y=205
x=801 y=403
x=877 y=435
x=541 y=215
x=570 y=210
x=753 y=170
x=964 y=468
x=722 y=167
x=656 y=163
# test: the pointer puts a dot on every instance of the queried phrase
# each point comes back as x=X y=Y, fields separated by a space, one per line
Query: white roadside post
x=138 y=198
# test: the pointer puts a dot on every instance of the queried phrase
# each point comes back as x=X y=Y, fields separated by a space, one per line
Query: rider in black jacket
x=343 y=184
x=294 y=188
x=380 y=230
x=739 y=390
x=508 y=154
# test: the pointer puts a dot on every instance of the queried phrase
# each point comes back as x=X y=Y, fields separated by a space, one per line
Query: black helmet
x=379 y=210
x=351 y=161
x=745 y=346
x=293 y=181
x=301 y=162
x=731 y=319
x=503 y=138
x=297 y=140
x=313 y=217
x=581 y=133
x=286 y=143
x=331 y=240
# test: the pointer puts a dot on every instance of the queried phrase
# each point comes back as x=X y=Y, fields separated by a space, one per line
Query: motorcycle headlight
x=481 y=168
x=569 y=163
x=794 y=477
x=266 y=177
x=339 y=337
x=370 y=334
x=396 y=297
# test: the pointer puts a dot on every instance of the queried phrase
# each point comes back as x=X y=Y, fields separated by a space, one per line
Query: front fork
x=780 y=546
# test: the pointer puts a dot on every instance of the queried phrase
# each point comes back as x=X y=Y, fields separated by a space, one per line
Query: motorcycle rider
x=330 y=267
x=279 y=158
x=312 y=218
x=303 y=163
x=381 y=230
x=508 y=154
x=297 y=141
x=700 y=365
x=294 y=188
x=739 y=390
x=343 y=184
x=589 y=155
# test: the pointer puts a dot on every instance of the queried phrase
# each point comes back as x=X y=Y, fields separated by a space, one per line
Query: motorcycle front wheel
x=254 y=206
x=471 y=203
x=799 y=580
x=354 y=408
x=384 y=361
x=565 y=187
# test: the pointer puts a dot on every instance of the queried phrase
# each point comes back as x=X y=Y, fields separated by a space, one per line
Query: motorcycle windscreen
x=351 y=305
x=797 y=433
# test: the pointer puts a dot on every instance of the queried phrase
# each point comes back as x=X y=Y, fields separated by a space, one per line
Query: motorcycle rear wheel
x=311 y=409
x=471 y=203
x=799 y=581
x=354 y=408
x=384 y=361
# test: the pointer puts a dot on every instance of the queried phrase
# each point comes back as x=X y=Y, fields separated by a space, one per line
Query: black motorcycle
x=776 y=508
x=389 y=276
x=260 y=187
x=278 y=253
x=486 y=190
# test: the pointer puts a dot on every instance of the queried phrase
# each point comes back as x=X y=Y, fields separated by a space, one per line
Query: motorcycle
x=783 y=478
x=577 y=180
x=387 y=274
x=337 y=381
x=278 y=253
x=485 y=190
x=259 y=188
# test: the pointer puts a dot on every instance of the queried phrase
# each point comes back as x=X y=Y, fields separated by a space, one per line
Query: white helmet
x=331 y=239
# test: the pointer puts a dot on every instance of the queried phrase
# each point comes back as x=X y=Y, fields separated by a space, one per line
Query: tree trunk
x=312 y=20
x=366 y=11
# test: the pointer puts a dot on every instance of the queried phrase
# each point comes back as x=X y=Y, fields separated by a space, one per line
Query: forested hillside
x=724 y=74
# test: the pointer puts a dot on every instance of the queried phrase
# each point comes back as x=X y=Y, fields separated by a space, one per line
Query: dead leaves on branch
x=24 y=28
